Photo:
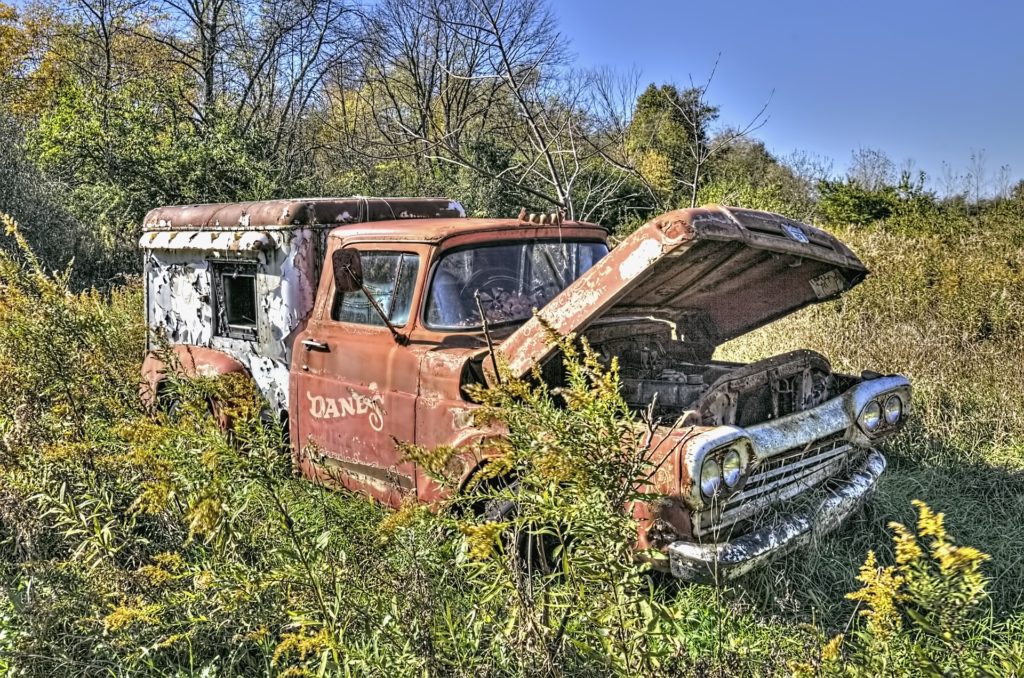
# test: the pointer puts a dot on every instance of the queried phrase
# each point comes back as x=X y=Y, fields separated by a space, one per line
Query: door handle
x=314 y=345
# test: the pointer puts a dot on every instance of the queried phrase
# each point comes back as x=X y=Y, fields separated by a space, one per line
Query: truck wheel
x=534 y=552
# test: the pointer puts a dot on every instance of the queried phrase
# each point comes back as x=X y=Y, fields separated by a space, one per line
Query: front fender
x=185 y=361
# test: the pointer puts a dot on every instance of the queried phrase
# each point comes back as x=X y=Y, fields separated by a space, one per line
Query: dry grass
x=948 y=312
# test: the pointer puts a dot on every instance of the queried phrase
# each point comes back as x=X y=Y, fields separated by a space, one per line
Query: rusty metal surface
x=472 y=231
x=741 y=269
x=180 y=303
x=284 y=240
x=191 y=361
x=666 y=295
x=297 y=212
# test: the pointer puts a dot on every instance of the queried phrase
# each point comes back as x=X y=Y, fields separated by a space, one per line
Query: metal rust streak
x=741 y=269
x=297 y=212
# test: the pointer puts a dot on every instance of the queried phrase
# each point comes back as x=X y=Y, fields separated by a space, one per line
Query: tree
x=666 y=125
x=668 y=147
x=54 y=234
x=871 y=169
x=746 y=174
x=452 y=85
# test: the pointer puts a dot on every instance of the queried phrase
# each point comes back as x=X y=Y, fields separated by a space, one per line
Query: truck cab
x=406 y=314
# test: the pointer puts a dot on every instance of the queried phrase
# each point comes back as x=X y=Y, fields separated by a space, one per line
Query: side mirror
x=348 y=270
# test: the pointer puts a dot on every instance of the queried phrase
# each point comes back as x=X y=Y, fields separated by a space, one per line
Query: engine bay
x=677 y=378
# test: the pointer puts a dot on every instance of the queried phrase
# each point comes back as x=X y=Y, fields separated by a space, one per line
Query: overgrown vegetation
x=133 y=544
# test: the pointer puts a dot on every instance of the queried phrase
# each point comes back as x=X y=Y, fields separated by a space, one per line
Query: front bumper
x=716 y=562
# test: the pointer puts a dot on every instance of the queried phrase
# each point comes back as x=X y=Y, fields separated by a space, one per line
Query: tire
x=534 y=553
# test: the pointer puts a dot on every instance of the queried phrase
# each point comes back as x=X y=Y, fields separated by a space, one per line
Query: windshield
x=509 y=280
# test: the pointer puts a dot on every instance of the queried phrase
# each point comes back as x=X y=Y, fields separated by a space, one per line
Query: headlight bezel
x=740 y=449
x=877 y=410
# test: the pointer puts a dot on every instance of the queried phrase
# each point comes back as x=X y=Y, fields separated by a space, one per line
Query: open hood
x=734 y=269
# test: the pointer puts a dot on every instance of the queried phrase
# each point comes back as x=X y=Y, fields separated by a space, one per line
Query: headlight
x=710 y=478
x=871 y=417
x=732 y=468
x=893 y=409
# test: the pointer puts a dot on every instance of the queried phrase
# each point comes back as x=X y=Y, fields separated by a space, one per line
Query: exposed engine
x=682 y=381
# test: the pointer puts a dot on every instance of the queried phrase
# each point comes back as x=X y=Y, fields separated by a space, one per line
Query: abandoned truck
x=399 y=322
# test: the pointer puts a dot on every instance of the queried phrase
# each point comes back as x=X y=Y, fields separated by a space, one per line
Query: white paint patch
x=639 y=259
x=180 y=298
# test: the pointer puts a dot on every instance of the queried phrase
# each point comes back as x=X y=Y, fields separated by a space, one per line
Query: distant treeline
x=111 y=107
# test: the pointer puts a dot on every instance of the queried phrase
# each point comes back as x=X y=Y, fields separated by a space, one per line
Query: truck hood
x=714 y=271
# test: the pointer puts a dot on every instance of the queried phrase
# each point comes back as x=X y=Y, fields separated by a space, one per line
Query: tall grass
x=946 y=310
x=134 y=545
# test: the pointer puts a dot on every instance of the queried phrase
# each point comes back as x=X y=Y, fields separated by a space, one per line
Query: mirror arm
x=400 y=338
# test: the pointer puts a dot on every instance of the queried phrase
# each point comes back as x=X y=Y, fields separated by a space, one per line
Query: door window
x=391 y=279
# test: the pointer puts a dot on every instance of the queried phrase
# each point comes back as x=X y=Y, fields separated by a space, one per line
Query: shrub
x=920 y=615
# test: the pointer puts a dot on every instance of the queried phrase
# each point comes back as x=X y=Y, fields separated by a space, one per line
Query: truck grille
x=778 y=478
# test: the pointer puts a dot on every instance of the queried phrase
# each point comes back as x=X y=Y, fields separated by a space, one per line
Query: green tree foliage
x=745 y=174
x=55 y=234
x=666 y=136
x=847 y=202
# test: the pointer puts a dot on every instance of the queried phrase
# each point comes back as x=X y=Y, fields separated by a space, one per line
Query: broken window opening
x=235 y=289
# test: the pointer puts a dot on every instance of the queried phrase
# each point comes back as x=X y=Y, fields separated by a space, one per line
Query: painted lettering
x=322 y=407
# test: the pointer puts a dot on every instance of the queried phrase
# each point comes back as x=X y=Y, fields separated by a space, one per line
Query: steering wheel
x=486 y=281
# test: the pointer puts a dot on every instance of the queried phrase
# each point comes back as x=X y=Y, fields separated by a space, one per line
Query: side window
x=234 y=286
x=391 y=278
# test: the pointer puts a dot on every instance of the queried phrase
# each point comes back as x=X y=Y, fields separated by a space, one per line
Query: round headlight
x=871 y=417
x=710 y=478
x=732 y=468
x=893 y=409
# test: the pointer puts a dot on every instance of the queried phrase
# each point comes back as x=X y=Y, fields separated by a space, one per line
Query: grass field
x=129 y=545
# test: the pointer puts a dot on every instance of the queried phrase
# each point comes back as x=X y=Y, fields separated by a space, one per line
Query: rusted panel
x=659 y=302
x=298 y=212
x=192 y=361
x=285 y=240
x=182 y=304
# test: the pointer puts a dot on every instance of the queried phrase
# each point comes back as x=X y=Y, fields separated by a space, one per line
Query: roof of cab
x=270 y=214
x=436 y=230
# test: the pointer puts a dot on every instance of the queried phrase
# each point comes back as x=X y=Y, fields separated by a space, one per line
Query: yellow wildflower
x=124 y=616
x=407 y=514
x=172 y=560
x=832 y=650
x=155 y=575
x=907 y=548
x=302 y=645
x=880 y=593
x=482 y=539
x=929 y=523
x=203 y=580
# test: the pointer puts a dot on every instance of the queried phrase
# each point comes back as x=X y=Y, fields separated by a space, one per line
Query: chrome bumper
x=717 y=562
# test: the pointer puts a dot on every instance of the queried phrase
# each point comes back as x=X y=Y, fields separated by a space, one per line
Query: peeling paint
x=179 y=244
x=659 y=304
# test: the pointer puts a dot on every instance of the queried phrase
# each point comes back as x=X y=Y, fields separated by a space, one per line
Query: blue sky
x=930 y=81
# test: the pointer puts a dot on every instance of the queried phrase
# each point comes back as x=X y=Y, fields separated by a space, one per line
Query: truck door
x=355 y=386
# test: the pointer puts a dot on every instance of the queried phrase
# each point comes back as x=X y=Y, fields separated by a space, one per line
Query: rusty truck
x=384 y=321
